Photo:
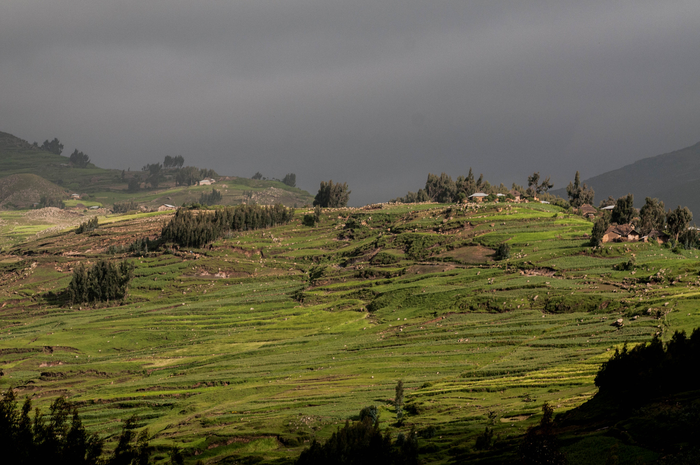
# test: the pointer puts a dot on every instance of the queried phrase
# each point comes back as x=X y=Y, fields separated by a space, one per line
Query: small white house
x=75 y=196
x=206 y=182
x=479 y=196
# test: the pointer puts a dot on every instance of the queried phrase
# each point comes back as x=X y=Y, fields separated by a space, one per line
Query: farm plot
x=253 y=346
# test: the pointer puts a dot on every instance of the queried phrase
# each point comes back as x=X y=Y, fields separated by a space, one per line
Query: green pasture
x=234 y=353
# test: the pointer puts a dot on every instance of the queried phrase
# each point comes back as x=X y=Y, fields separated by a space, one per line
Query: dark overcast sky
x=375 y=93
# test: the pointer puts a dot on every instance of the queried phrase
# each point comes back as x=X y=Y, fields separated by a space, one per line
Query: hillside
x=246 y=350
x=672 y=177
x=18 y=156
x=106 y=186
x=23 y=190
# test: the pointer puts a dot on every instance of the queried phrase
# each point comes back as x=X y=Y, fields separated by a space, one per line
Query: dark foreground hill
x=672 y=177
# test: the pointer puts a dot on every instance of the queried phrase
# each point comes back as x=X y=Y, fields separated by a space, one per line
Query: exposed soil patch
x=472 y=254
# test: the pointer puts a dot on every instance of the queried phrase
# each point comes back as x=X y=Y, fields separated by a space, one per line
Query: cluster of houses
x=480 y=196
x=621 y=232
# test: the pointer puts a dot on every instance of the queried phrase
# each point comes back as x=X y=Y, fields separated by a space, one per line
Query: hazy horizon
x=373 y=94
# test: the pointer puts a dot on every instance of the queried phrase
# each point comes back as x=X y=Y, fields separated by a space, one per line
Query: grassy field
x=248 y=349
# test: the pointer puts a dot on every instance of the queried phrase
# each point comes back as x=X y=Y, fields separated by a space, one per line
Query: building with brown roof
x=621 y=233
x=587 y=211
x=659 y=236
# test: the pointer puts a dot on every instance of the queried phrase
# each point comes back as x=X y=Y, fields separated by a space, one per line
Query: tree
x=60 y=440
x=398 y=400
x=607 y=202
x=79 y=159
x=332 y=195
x=466 y=185
x=440 y=188
x=652 y=216
x=503 y=251
x=362 y=443
x=124 y=207
x=258 y=175
x=624 y=210
x=678 y=220
x=290 y=180
x=153 y=177
x=534 y=185
x=207 y=173
x=214 y=198
x=104 y=281
x=188 y=176
x=579 y=194
x=53 y=146
x=173 y=162
x=87 y=226
x=46 y=201
x=134 y=184
x=599 y=228
x=540 y=445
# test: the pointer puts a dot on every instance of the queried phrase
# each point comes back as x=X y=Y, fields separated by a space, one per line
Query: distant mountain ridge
x=672 y=177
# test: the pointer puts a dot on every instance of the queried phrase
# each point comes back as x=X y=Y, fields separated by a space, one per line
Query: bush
x=483 y=441
x=503 y=251
x=124 y=207
x=213 y=198
x=362 y=443
x=652 y=369
x=45 y=201
x=194 y=230
x=61 y=438
x=309 y=220
x=540 y=444
x=332 y=195
x=599 y=228
x=88 y=226
x=103 y=282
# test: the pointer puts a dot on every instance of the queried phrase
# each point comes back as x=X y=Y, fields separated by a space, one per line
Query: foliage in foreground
x=104 y=281
x=659 y=369
x=362 y=443
x=60 y=438
x=540 y=445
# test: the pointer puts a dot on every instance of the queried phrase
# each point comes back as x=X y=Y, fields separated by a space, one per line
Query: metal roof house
x=479 y=196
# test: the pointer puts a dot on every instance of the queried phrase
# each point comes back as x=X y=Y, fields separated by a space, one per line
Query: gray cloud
x=373 y=93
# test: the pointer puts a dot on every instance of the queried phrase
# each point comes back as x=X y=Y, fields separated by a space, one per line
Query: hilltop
x=103 y=187
x=23 y=190
x=249 y=347
x=672 y=177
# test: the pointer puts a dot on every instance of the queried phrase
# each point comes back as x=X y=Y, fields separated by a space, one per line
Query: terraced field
x=248 y=349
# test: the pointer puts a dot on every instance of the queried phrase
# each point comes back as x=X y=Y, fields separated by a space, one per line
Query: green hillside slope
x=672 y=177
x=249 y=348
x=17 y=156
x=23 y=190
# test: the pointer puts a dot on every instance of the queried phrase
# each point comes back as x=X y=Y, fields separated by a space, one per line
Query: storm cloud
x=376 y=94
